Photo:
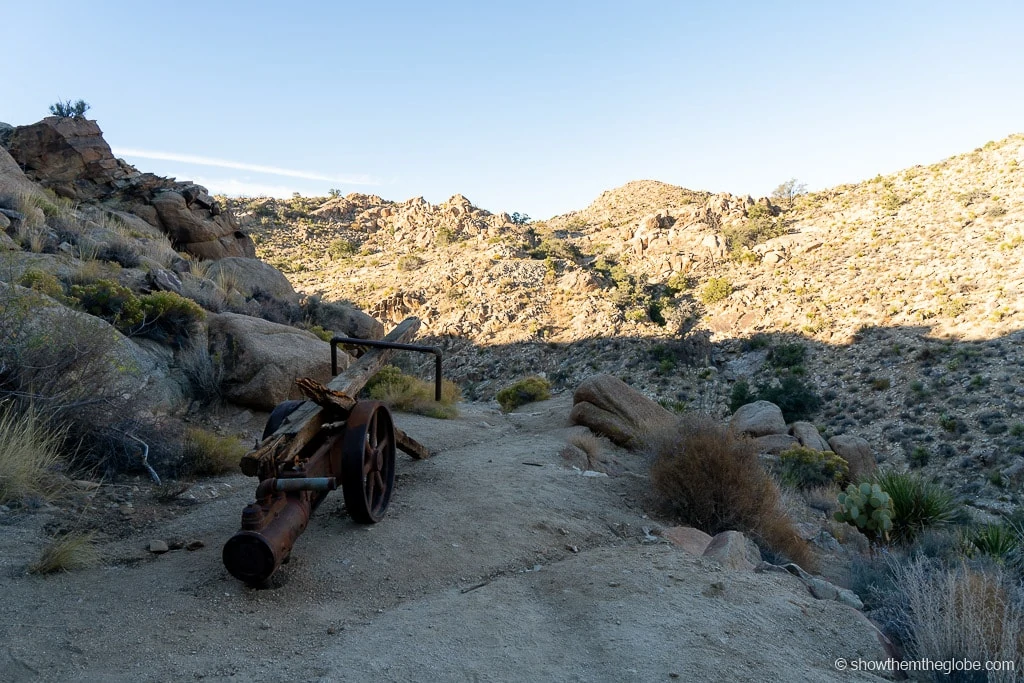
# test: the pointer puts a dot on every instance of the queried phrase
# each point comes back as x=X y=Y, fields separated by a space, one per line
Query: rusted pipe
x=253 y=556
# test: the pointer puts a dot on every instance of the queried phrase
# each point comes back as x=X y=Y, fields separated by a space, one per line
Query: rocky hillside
x=129 y=302
x=901 y=298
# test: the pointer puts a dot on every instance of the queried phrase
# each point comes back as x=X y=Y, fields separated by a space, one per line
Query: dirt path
x=495 y=563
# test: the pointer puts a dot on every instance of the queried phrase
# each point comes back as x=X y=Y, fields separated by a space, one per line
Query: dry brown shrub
x=591 y=444
x=713 y=480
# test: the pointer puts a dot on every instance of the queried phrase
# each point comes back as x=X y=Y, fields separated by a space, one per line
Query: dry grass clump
x=413 y=395
x=29 y=449
x=962 y=613
x=591 y=444
x=209 y=454
x=71 y=551
x=713 y=480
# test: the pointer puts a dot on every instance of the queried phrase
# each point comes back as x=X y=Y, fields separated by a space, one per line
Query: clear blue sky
x=528 y=106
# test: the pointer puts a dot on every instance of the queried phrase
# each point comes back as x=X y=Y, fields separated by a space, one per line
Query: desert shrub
x=756 y=341
x=714 y=481
x=796 y=399
x=759 y=227
x=275 y=309
x=917 y=503
x=341 y=248
x=68 y=109
x=29 y=451
x=678 y=283
x=409 y=262
x=68 y=552
x=110 y=301
x=961 y=613
x=740 y=395
x=806 y=468
x=168 y=318
x=786 y=356
x=121 y=252
x=208 y=454
x=413 y=395
x=42 y=282
x=524 y=391
x=1001 y=542
x=715 y=289
x=204 y=373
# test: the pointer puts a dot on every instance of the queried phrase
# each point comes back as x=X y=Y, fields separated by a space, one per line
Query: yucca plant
x=917 y=503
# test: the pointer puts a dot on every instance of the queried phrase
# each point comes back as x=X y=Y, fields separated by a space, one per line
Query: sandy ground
x=495 y=562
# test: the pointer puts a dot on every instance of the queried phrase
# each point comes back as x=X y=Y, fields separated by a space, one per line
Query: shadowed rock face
x=70 y=157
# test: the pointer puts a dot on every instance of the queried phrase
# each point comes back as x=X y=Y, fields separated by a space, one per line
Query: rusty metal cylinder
x=253 y=556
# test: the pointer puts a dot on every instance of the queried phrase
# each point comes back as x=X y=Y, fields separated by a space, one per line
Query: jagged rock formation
x=69 y=156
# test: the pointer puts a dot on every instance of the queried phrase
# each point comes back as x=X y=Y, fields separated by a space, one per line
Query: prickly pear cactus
x=867 y=507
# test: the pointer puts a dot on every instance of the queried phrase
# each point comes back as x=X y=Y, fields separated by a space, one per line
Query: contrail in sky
x=255 y=168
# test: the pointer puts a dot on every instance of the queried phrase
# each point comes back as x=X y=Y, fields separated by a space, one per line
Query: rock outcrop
x=69 y=156
x=609 y=406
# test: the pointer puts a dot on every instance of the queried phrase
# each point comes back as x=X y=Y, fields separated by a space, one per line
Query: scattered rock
x=194 y=545
x=693 y=541
x=734 y=551
x=158 y=547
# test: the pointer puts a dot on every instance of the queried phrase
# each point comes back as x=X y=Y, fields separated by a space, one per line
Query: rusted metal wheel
x=368 y=461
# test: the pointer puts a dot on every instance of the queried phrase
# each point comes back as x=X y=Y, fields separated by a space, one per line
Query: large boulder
x=251 y=276
x=343 y=320
x=857 y=453
x=759 y=418
x=609 y=406
x=194 y=221
x=68 y=155
x=808 y=436
x=89 y=352
x=262 y=359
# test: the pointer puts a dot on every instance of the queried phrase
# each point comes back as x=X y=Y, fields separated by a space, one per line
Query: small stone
x=265 y=625
x=848 y=597
x=85 y=484
x=194 y=545
x=158 y=547
x=176 y=544
x=331 y=630
x=693 y=541
x=572 y=548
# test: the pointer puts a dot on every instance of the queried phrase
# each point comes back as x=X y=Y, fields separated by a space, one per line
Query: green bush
x=42 y=282
x=867 y=507
x=169 y=318
x=796 y=399
x=741 y=395
x=917 y=504
x=715 y=289
x=524 y=391
x=208 y=454
x=413 y=395
x=70 y=110
x=806 y=468
x=787 y=355
x=678 y=283
x=341 y=248
x=106 y=299
x=409 y=262
x=1001 y=541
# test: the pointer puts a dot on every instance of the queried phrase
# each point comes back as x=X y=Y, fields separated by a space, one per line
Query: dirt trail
x=495 y=563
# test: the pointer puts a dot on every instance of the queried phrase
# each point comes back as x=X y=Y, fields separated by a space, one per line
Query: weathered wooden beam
x=303 y=424
x=409 y=445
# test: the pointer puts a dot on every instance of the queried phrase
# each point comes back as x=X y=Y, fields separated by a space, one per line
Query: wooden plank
x=303 y=424
x=409 y=445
